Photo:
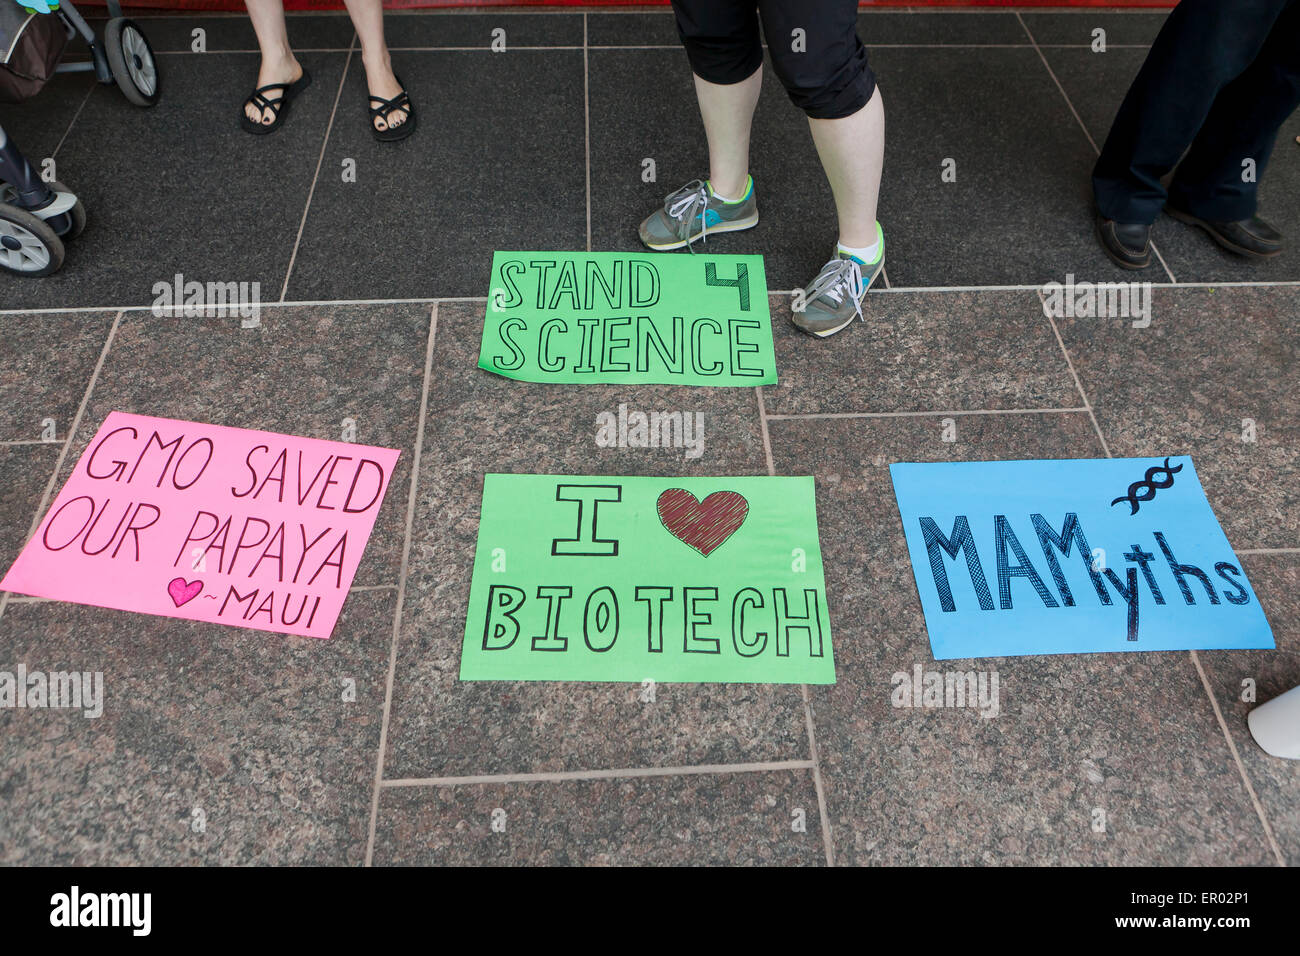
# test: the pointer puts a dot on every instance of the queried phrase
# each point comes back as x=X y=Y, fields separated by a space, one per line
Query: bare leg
x=728 y=111
x=852 y=152
x=279 y=65
x=368 y=19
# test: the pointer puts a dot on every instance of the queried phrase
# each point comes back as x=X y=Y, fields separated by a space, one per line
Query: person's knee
x=830 y=84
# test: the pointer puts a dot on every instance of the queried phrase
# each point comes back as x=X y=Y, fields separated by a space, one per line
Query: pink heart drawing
x=182 y=591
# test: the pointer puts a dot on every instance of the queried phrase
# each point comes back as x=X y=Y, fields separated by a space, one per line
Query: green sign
x=628 y=318
x=634 y=579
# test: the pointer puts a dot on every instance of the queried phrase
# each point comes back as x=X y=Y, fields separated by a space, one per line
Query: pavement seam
x=411 y=502
x=822 y=811
x=611 y=774
x=586 y=114
x=72 y=122
x=1075 y=375
x=67 y=443
x=1241 y=768
x=1086 y=132
x=777 y=293
x=320 y=160
x=1196 y=661
x=923 y=413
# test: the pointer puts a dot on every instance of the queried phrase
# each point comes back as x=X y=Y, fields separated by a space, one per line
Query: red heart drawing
x=703 y=525
x=182 y=591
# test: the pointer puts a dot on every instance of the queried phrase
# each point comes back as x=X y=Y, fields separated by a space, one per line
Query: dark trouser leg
x=721 y=38
x=1204 y=46
x=1242 y=126
x=826 y=75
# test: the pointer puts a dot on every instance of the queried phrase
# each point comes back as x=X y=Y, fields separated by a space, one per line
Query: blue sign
x=1073 y=556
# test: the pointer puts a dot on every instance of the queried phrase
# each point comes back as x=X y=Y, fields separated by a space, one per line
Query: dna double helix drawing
x=1145 y=489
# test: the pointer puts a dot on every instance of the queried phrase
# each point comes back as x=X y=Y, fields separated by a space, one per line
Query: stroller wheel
x=66 y=225
x=28 y=247
x=132 y=61
x=77 y=213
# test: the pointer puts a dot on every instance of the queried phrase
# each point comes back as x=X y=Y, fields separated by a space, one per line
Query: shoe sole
x=1230 y=246
x=1122 y=263
x=827 y=333
x=737 y=226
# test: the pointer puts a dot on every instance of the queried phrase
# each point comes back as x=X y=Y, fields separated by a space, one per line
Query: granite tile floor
x=225 y=746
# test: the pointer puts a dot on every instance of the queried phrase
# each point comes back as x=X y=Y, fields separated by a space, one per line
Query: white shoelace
x=837 y=278
x=684 y=205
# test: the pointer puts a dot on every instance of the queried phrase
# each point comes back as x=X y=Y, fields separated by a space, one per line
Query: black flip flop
x=402 y=101
x=279 y=106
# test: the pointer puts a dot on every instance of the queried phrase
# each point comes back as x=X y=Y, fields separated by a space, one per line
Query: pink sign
x=209 y=523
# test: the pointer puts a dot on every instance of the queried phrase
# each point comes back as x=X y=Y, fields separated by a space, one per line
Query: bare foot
x=282 y=70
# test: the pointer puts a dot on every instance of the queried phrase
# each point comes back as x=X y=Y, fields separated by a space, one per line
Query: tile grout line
x=1266 y=551
x=1078 y=119
x=72 y=122
x=1195 y=658
x=633 y=9
x=67 y=442
x=430 y=300
x=411 y=500
x=613 y=774
x=586 y=119
x=1052 y=73
x=30 y=599
x=1075 y=375
x=817 y=776
x=767 y=442
x=568 y=48
x=822 y=812
x=320 y=160
x=801 y=416
x=1241 y=767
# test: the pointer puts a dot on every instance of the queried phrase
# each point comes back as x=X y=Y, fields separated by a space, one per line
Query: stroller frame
x=40 y=214
x=31 y=193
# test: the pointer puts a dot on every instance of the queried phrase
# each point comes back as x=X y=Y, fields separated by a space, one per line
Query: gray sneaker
x=834 y=298
x=693 y=212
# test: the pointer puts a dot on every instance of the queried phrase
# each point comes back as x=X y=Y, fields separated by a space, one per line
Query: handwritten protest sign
x=209 y=523
x=635 y=579
x=586 y=317
x=1058 y=557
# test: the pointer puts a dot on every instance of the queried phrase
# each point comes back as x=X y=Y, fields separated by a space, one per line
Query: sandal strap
x=262 y=102
x=402 y=101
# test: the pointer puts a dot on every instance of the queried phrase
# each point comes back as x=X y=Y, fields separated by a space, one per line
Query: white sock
x=721 y=198
x=866 y=254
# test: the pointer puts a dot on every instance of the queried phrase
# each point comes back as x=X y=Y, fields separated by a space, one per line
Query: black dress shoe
x=1250 y=237
x=1127 y=243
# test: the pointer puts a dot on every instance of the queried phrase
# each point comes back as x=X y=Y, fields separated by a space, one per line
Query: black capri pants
x=824 y=68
